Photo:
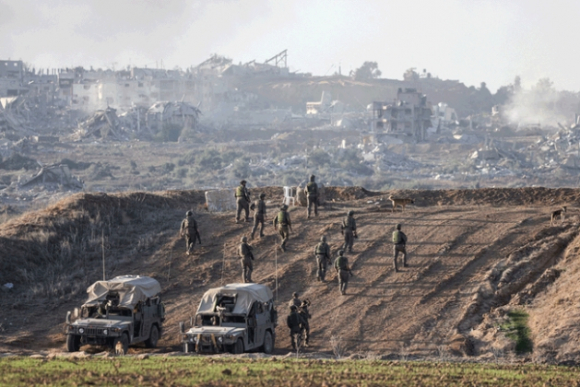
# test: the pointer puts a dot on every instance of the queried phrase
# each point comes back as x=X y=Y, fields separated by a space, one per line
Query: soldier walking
x=283 y=224
x=242 y=201
x=246 y=258
x=343 y=270
x=349 y=231
x=305 y=314
x=295 y=300
x=312 y=196
x=259 y=215
x=189 y=230
x=322 y=253
x=294 y=322
x=399 y=246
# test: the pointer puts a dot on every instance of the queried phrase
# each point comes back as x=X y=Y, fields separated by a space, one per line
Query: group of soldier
x=298 y=319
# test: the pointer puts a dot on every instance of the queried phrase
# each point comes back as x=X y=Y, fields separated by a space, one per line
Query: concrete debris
x=53 y=177
x=17 y=162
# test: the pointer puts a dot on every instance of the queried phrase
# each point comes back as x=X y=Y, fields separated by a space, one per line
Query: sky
x=472 y=41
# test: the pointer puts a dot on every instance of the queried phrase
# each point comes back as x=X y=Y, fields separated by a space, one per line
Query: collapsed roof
x=132 y=289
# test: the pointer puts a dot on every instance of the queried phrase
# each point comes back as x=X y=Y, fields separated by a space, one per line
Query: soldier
x=259 y=215
x=246 y=258
x=312 y=196
x=189 y=230
x=242 y=201
x=322 y=253
x=343 y=270
x=305 y=314
x=283 y=224
x=348 y=229
x=295 y=300
x=399 y=245
x=294 y=322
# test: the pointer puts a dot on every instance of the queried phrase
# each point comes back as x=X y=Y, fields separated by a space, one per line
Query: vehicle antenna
x=103 y=250
x=276 y=259
x=223 y=265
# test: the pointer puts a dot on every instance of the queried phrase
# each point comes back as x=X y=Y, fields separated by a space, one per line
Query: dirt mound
x=474 y=256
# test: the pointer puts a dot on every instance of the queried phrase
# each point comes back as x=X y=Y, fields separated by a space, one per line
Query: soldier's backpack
x=312 y=189
x=397 y=237
x=293 y=321
x=190 y=225
x=283 y=218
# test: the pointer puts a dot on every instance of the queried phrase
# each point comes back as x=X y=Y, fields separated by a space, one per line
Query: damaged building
x=408 y=117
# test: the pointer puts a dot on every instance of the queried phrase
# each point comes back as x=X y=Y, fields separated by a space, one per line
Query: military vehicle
x=120 y=312
x=234 y=318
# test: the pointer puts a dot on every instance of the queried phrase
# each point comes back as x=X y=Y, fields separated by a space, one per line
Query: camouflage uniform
x=399 y=246
x=322 y=252
x=246 y=258
x=305 y=327
x=341 y=266
x=349 y=230
x=189 y=230
x=312 y=196
x=259 y=215
x=294 y=322
x=242 y=201
x=283 y=224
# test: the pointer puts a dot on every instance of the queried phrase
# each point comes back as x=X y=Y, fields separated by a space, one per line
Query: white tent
x=245 y=294
x=131 y=288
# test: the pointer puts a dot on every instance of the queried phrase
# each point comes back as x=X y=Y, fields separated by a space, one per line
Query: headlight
x=220 y=339
x=81 y=330
x=105 y=332
x=230 y=337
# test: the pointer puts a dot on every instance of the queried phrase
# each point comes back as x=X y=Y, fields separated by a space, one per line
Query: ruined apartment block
x=408 y=118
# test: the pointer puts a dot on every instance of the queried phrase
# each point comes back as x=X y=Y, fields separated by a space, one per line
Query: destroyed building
x=408 y=117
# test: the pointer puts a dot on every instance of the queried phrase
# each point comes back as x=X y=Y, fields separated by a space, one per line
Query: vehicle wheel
x=239 y=347
x=73 y=343
x=124 y=340
x=268 y=346
x=151 y=342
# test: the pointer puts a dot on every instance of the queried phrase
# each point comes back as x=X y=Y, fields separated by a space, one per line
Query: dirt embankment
x=473 y=256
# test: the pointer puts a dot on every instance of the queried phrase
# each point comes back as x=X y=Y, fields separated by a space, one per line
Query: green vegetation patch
x=517 y=329
x=229 y=371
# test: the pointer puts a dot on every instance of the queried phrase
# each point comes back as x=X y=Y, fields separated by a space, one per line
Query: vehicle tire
x=239 y=347
x=73 y=343
x=151 y=342
x=124 y=339
x=268 y=346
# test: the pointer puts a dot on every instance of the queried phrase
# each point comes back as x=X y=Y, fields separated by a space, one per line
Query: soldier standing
x=246 y=258
x=189 y=230
x=242 y=201
x=399 y=246
x=312 y=196
x=322 y=253
x=294 y=322
x=305 y=314
x=283 y=224
x=349 y=231
x=295 y=300
x=344 y=272
x=259 y=215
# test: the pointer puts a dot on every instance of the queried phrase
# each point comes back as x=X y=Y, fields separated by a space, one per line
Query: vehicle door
x=262 y=318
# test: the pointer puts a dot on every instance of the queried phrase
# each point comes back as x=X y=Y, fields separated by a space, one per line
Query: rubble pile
x=54 y=177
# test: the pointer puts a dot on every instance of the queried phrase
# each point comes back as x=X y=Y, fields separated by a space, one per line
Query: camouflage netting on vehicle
x=132 y=289
x=245 y=295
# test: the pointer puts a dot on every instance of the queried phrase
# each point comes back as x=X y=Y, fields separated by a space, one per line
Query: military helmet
x=312 y=177
x=340 y=252
x=262 y=195
x=293 y=307
x=295 y=294
x=189 y=213
x=244 y=239
x=350 y=213
x=323 y=238
x=243 y=182
x=398 y=226
x=283 y=207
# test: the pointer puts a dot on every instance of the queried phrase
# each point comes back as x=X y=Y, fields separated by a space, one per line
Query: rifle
x=198 y=237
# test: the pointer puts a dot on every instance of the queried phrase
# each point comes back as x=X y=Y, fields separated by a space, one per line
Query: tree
x=369 y=70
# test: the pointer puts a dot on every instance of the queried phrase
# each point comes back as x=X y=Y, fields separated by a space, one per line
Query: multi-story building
x=408 y=117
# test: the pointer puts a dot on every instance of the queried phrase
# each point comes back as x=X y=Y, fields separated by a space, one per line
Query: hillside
x=474 y=255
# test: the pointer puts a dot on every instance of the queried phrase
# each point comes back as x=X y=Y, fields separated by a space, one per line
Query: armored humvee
x=233 y=318
x=119 y=312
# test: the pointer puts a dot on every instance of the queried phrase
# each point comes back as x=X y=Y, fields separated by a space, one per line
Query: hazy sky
x=468 y=40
